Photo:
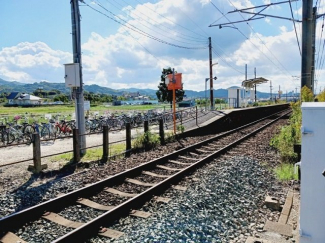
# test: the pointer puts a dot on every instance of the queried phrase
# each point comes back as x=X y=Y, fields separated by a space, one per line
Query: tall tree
x=163 y=94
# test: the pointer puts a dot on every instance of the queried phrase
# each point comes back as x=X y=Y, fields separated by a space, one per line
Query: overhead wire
x=252 y=42
x=169 y=19
x=320 y=50
x=158 y=25
x=294 y=24
x=134 y=28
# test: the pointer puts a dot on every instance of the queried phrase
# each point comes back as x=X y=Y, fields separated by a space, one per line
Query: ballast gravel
x=223 y=206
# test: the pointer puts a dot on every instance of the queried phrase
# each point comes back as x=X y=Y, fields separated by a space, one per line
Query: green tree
x=61 y=97
x=306 y=94
x=321 y=96
x=163 y=94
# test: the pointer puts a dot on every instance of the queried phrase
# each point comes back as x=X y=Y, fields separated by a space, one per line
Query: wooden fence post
x=146 y=126
x=161 y=131
x=76 y=146
x=128 y=139
x=105 y=143
x=37 y=153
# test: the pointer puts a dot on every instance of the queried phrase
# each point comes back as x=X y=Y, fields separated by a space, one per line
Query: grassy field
x=38 y=113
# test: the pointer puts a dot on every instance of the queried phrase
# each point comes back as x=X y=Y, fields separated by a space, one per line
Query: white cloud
x=30 y=62
x=128 y=59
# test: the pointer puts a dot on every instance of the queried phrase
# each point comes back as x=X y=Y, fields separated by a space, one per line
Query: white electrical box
x=312 y=202
x=72 y=75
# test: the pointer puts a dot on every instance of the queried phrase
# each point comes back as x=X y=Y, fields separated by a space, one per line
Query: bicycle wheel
x=45 y=133
x=68 y=129
x=10 y=137
x=27 y=138
x=2 y=139
x=29 y=130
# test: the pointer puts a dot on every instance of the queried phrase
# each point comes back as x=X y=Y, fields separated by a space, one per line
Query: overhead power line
x=134 y=28
x=159 y=28
x=283 y=69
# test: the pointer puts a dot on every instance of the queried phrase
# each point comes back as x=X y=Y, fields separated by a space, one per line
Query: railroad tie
x=53 y=217
x=194 y=154
x=187 y=158
x=117 y=192
x=178 y=163
x=140 y=214
x=154 y=174
x=180 y=188
x=162 y=199
x=91 y=204
x=10 y=237
x=167 y=168
x=203 y=151
x=109 y=233
x=140 y=183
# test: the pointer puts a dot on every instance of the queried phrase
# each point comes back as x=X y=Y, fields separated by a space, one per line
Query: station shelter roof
x=250 y=83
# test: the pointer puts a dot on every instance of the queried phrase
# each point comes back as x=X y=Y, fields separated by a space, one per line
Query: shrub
x=285 y=172
x=289 y=135
x=180 y=128
x=170 y=137
x=146 y=141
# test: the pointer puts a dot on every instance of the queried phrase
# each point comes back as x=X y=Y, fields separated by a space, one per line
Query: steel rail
x=20 y=218
x=92 y=228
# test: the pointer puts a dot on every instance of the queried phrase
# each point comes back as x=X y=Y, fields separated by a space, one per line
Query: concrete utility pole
x=211 y=79
x=307 y=41
x=255 y=84
x=313 y=50
x=271 y=90
x=76 y=45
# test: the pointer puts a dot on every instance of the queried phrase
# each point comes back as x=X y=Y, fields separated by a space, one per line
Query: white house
x=16 y=98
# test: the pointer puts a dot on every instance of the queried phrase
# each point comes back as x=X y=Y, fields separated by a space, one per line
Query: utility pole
x=313 y=50
x=255 y=83
x=307 y=41
x=211 y=79
x=245 y=79
x=271 y=90
x=76 y=45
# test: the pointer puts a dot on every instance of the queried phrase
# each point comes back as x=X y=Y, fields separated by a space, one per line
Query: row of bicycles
x=14 y=133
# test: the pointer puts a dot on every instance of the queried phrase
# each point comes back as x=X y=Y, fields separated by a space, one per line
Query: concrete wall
x=235 y=119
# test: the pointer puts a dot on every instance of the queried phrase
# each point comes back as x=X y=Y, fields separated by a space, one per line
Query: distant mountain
x=10 y=86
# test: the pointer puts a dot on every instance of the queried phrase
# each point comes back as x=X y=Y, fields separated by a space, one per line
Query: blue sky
x=36 y=42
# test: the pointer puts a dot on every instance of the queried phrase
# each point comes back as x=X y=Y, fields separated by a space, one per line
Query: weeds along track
x=81 y=214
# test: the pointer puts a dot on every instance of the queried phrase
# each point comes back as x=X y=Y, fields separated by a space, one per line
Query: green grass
x=285 y=172
x=37 y=113
x=91 y=154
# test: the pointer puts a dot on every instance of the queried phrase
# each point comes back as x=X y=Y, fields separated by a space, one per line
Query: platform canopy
x=250 y=83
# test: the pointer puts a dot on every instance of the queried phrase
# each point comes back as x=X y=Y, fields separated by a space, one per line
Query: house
x=12 y=97
x=16 y=98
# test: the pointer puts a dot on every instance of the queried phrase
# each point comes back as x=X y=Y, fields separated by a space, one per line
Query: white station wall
x=312 y=203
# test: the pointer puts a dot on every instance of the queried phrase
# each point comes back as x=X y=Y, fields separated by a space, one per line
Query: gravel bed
x=130 y=188
x=173 y=165
x=108 y=199
x=80 y=213
x=37 y=189
x=148 y=179
x=168 y=218
x=223 y=206
x=41 y=231
x=163 y=172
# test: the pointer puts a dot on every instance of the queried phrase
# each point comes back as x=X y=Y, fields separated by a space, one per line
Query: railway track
x=117 y=196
